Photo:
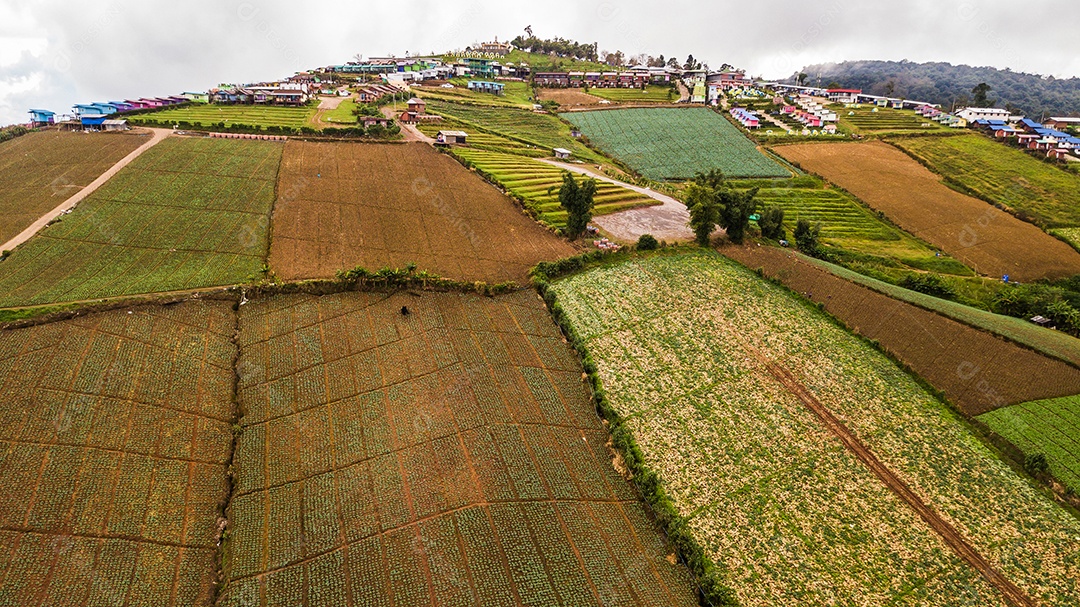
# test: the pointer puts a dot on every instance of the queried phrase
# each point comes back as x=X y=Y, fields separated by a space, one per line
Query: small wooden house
x=452 y=137
x=417 y=106
x=562 y=153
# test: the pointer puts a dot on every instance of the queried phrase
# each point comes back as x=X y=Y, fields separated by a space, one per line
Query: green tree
x=577 y=199
x=647 y=242
x=979 y=94
x=704 y=207
x=711 y=203
x=690 y=63
x=772 y=223
x=807 y=236
x=735 y=210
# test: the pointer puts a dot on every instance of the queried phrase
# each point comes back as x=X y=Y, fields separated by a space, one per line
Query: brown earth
x=976 y=370
x=568 y=98
x=989 y=240
x=343 y=205
x=39 y=171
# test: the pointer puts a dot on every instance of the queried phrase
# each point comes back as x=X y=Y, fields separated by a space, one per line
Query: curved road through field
x=668 y=221
x=157 y=136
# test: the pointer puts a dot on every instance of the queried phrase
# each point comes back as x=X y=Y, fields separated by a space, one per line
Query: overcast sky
x=54 y=53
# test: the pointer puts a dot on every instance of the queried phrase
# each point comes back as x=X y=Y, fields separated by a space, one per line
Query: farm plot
x=712 y=367
x=115 y=440
x=569 y=98
x=669 y=143
x=543 y=131
x=483 y=140
x=213 y=115
x=1003 y=174
x=189 y=213
x=347 y=205
x=538 y=185
x=1050 y=428
x=873 y=120
x=988 y=240
x=451 y=456
x=41 y=170
x=652 y=94
x=976 y=370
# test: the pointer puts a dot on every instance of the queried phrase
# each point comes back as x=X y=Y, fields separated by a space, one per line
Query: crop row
x=1050 y=428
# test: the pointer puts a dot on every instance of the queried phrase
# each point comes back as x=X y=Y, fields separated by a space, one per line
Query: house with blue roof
x=40 y=118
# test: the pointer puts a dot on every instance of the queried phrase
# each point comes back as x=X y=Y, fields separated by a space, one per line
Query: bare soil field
x=115 y=441
x=450 y=456
x=346 y=205
x=569 y=98
x=988 y=240
x=978 y=371
x=38 y=171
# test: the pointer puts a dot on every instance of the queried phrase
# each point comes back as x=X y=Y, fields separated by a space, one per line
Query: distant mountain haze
x=949 y=85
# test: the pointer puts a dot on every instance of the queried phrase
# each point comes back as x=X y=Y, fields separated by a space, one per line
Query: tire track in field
x=1013 y=594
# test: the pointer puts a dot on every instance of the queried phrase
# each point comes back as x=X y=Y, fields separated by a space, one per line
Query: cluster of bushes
x=376 y=131
x=712 y=586
x=12 y=132
x=1060 y=303
x=930 y=284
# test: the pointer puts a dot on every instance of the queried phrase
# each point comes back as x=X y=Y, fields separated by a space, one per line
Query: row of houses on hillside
x=935 y=114
x=268 y=93
x=1032 y=135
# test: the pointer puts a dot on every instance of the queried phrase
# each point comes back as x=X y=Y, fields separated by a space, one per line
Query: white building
x=971 y=114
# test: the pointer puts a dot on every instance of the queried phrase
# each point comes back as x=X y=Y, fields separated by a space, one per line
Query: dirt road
x=668 y=221
x=327 y=105
x=156 y=137
x=408 y=131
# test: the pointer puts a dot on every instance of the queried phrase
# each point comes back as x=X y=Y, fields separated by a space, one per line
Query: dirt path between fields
x=952 y=537
x=684 y=93
x=157 y=136
x=409 y=132
x=668 y=221
x=327 y=105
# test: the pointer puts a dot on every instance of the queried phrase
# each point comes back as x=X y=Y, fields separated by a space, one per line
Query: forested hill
x=947 y=84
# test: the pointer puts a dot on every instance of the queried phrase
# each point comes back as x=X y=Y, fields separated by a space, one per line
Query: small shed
x=114 y=125
x=562 y=153
x=452 y=137
x=417 y=106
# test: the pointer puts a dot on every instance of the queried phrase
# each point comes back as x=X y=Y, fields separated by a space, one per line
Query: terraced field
x=41 y=170
x=538 y=184
x=1003 y=174
x=653 y=94
x=115 y=441
x=870 y=120
x=483 y=140
x=448 y=457
x=762 y=419
x=344 y=205
x=209 y=115
x=668 y=143
x=544 y=131
x=1050 y=428
x=189 y=213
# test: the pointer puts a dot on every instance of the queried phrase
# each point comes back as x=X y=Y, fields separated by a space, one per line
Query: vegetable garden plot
x=682 y=342
x=347 y=205
x=448 y=456
x=189 y=213
x=666 y=143
x=41 y=170
x=988 y=240
x=1050 y=428
x=115 y=438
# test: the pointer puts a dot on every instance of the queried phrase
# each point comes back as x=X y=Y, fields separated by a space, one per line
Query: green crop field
x=483 y=140
x=209 y=115
x=515 y=94
x=343 y=114
x=1070 y=235
x=714 y=371
x=452 y=456
x=544 y=131
x=652 y=94
x=1003 y=174
x=669 y=143
x=39 y=171
x=115 y=443
x=538 y=184
x=188 y=213
x=874 y=119
x=1050 y=428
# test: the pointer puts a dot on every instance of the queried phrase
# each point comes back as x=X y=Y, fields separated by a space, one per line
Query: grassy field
x=667 y=143
x=343 y=114
x=544 y=131
x=1071 y=235
x=1050 y=428
x=209 y=115
x=977 y=370
x=515 y=95
x=714 y=371
x=984 y=238
x=454 y=459
x=188 y=213
x=652 y=94
x=1003 y=174
x=483 y=140
x=345 y=205
x=879 y=120
x=115 y=445
x=538 y=184
x=41 y=170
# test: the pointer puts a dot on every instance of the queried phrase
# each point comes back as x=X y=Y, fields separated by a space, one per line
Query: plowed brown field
x=568 y=98
x=978 y=371
x=347 y=205
x=988 y=240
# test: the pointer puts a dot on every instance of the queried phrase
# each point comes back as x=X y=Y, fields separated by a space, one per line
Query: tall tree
x=979 y=94
x=577 y=199
x=689 y=65
x=704 y=210
x=712 y=202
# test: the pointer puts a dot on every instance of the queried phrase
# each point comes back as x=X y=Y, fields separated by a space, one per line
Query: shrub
x=772 y=223
x=807 y=237
x=930 y=284
x=647 y=243
x=1036 y=465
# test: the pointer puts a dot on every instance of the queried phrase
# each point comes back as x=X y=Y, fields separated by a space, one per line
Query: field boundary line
x=1012 y=594
x=157 y=136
